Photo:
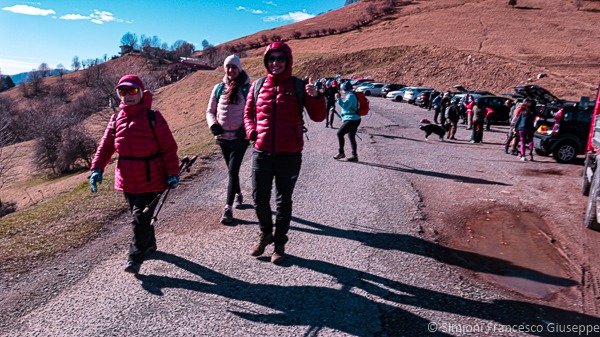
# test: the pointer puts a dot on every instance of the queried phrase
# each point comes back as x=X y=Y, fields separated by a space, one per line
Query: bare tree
x=182 y=48
x=44 y=70
x=76 y=65
x=61 y=69
x=578 y=4
x=130 y=40
x=512 y=3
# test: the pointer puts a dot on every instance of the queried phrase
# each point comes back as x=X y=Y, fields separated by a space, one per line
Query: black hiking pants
x=233 y=153
x=142 y=232
x=350 y=128
x=284 y=168
x=330 y=113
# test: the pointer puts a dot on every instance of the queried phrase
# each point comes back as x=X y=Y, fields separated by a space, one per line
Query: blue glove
x=95 y=178
x=172 y=180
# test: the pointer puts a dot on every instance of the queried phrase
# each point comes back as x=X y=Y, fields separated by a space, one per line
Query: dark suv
x=562 y=127
x=564 y=135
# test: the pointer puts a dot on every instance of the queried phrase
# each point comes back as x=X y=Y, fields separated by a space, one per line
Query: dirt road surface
x=417 y=238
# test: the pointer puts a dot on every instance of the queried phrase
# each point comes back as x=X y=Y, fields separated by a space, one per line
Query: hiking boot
x=339 y=156
x=530 y=157
x=238 y=200
x=227 y=217
x=133 y=267
x=523 y=158
x=259 y=248
x=278 y=254
x=353 y=158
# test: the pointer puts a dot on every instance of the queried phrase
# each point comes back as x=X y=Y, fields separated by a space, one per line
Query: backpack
x=221 y=85
x=299 y=86
x=363 y=104
x=152 y=121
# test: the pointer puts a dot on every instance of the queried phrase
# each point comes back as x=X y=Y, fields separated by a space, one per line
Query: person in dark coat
x=275 y=123
x=331 y=89
x=453 y=116
x=479 y=113
x=146 y=166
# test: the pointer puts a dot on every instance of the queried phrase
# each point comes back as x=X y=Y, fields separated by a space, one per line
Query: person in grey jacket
x=479 y=113
x=225 y=118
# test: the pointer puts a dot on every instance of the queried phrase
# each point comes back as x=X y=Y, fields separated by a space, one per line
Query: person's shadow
x=342 y=308
x=406 y=243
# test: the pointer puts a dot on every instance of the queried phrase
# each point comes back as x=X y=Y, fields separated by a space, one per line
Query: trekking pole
x=185 y=165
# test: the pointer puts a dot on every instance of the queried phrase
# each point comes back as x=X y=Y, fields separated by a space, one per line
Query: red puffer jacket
x=276 y=123
x=133 y=138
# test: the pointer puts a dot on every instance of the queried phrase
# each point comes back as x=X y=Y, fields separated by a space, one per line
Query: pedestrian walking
x=147 y=163
x=452 y=116
x=274 y=121
x=350 y=121
x=225 y=118
x=479 y=113
x=525 y=125
x=331 y=89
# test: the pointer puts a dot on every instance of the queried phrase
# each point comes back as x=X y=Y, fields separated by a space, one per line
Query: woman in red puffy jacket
x=147 y=162
x=274 y=122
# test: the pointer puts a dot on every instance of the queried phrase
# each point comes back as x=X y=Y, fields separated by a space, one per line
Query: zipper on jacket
x=274 y=113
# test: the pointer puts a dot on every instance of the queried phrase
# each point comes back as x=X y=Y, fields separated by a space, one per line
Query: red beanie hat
x=131 y=81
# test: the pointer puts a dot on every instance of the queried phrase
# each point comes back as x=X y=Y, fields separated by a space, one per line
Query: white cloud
x=13 y=67
x=249 y=10
x=28 y=10
x=98 y=17
x=292 y=16
x=271 y=3
x=74 y=17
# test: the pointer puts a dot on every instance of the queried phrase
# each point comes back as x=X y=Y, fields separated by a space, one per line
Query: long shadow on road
x=459 y=178
x=406 y=243
x=344 y=310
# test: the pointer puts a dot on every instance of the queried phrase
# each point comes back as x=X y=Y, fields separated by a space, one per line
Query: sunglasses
x=277 y=59
x=131 y=91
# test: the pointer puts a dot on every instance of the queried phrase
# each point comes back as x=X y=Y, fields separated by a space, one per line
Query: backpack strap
x=299 y=92
x=219 y=91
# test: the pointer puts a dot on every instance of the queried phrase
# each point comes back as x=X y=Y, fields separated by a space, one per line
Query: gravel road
x=377 y=248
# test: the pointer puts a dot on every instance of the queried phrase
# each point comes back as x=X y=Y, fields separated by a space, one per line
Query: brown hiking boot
x=265 y=240
x=278 y=254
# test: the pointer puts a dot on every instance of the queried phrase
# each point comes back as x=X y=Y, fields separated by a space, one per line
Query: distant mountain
x=22 y=77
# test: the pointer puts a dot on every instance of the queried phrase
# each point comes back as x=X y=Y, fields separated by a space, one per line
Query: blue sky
x=53 y=32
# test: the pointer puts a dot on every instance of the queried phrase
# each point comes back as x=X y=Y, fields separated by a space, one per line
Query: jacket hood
x=280 y=46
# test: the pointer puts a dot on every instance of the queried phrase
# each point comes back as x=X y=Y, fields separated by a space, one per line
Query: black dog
x=429 y=128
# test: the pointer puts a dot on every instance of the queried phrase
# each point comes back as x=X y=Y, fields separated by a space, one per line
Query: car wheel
x=591 y=215
x=398 y=99
x=587 y=172
x=565 y=152
x=541 y=152
x=367 y=93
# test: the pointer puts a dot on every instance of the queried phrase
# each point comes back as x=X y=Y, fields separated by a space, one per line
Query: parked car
x=424 y=97
x=565 y=135
x=410 y=94
x=501 y=112
x=359 y=81
x=391 y=87
x=396 y=95
x=371 y=89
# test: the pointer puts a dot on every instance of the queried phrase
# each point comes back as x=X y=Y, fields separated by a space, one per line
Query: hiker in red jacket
x=274 y=121
x=147 y=163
